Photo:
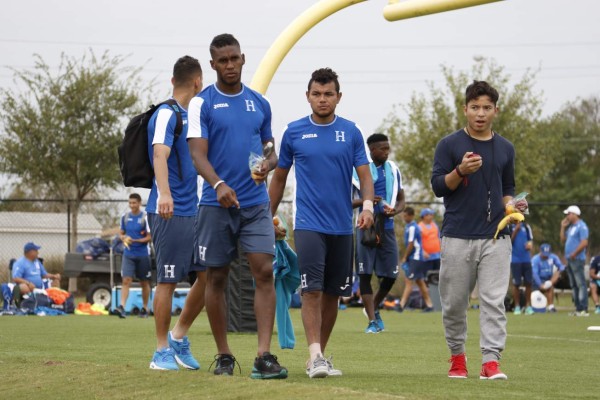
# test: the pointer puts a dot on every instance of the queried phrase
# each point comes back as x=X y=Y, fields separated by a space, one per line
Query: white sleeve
x=194 y=125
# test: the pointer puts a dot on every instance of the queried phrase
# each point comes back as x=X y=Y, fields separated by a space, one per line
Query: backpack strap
x=172 y=103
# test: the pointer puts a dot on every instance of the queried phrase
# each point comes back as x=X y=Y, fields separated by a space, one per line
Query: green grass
x=77 y=357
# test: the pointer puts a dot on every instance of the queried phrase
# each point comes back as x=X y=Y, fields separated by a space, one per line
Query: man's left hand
x=365 y=219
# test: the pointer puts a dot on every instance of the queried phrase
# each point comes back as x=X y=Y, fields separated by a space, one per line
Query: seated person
x=28 y=272
x=546 y=268
x=595 y=281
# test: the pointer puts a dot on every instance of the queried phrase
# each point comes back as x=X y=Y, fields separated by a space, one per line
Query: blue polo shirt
x=235 y=126
x=182 y=182
x=575 y=233
x=31 y=271
x=323 y=156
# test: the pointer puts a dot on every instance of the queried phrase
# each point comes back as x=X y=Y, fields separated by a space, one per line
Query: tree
x=60 y=133
x=416 y=127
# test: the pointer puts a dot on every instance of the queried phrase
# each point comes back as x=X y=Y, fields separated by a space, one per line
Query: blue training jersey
x=182 y=182
x=542 y=270
x=466 y=206
x=412 y=233
x=380 y=186
x=136 y=227
x=235 y=126
x=519 y=253
x=32 y=271
x=324 y=156
x=575 y=233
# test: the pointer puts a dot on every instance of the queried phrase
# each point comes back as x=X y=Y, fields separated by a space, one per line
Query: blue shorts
x=325 y=262
x=431 y=265
x=218 y=230
x=521 y=273
x=173 y=241
x=416 y=270
x=136 y=267
x=384 y=260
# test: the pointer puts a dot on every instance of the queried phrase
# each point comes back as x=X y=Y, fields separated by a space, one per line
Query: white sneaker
x=318 y=368
x=332 y=371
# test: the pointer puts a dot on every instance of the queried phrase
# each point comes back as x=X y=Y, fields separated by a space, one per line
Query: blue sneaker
x=183 y=355
x=529 y=311
x=373 y=327
x=164 y=359
x=517 y=310
x=379 y=321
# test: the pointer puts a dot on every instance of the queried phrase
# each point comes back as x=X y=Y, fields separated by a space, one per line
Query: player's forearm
x=276 y=189
x=161 y=173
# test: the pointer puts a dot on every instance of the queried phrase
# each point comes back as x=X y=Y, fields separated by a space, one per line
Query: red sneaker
x=458 y=366
x=491 y=370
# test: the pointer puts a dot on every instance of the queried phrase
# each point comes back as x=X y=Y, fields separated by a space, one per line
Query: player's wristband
x=368 y=206
x=216 y=185
x=458 y=172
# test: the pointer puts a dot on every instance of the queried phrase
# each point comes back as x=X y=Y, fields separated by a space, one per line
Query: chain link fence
x=48 y=223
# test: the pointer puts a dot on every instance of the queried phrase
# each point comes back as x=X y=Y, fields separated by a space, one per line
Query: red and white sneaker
x=491 y=370
x=458 y=366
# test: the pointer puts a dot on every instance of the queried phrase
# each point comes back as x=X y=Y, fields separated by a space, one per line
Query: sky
x=379 y=63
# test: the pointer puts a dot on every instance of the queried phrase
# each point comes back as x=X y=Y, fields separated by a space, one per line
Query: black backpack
x=134 y=163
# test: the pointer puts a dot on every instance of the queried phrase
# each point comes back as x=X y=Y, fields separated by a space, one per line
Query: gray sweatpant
x=464 y=262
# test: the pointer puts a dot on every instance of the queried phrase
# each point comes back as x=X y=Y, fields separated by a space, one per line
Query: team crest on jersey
x=340 y=136
x=309 y=136
x=221 y=105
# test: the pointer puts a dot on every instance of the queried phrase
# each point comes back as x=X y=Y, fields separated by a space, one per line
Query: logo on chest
x=221 y=105
x=309 y=136
x=340 y=136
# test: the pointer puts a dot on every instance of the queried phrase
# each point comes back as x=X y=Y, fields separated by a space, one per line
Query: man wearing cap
x=574 y=234
x=29 y=272
x=546 y=268
x=430 y=234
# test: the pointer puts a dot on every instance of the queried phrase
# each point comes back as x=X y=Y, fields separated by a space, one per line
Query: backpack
x=134 y=163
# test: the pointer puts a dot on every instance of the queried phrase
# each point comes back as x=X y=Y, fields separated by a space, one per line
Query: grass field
x=76 y=357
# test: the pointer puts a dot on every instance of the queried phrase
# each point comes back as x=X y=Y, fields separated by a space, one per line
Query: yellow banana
x=505 y=221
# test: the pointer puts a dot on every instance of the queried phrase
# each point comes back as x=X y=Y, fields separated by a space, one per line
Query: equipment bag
x=373 y=236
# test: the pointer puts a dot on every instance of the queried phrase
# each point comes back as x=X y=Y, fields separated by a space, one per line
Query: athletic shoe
x=582 y=313
x=318 y=368
x=491 y=370
x=399 y=308
x=529 y=311
x=164 y=360
x=427 y=309
x=373 y=327
x=517 y=310
x=225 y=364
x=120 y=311
x=552 y=309
x=332 y=371
x=597 y=310
x=458 y=366
x=143 y=313
x=379 y=321
x=183 y=355
x=267 y=367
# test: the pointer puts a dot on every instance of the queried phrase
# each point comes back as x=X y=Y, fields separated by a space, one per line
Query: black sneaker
x=267 y=367
x=120 y=311
x=143 y=313
x=225 y=364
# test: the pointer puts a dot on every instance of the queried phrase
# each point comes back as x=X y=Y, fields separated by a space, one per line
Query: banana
x=506 y=220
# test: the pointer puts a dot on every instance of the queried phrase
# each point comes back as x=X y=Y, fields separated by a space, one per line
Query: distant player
x=546 y=268
x=520 y=266
x=389 y=202
x=595 y=282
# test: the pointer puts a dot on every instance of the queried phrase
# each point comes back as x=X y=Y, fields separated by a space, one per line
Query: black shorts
x=325 y=262
x=383 y=261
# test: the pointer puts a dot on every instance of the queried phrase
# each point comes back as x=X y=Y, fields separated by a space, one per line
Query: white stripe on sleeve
x=194 y=109
x=162 y=123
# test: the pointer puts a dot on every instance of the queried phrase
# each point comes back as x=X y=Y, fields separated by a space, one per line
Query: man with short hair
x=323 y=147
x=171 y=209
x=521 y=236
x=228 y=122
x=546 y=268
x=389 y=202
x=430 y=234
x=28 y=272
x=574 y=234
x=473 y=170
x=136 y=261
